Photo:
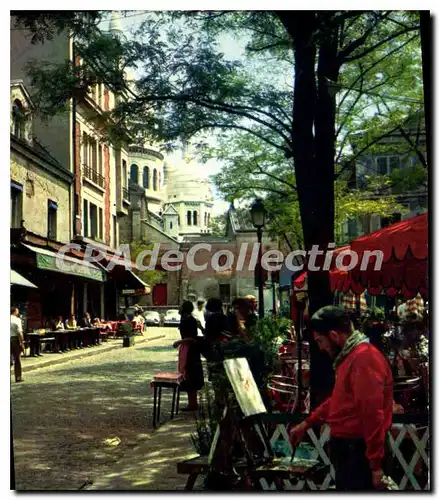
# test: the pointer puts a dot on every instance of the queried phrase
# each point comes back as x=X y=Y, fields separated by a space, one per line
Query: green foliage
x=125 y=329
x=266 y=336
x=218 y=225
x=149 y=277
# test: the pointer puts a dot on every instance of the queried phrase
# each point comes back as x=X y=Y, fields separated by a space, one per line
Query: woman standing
x=190 y=363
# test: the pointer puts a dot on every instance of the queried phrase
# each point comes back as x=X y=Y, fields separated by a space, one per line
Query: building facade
x=393 y=153
x=89 y=209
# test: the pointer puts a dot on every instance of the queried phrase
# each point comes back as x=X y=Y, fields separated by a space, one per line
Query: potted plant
x=126 y=329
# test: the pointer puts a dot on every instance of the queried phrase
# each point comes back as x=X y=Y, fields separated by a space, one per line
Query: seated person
x=97 y=322
x=58 y=323
x=139 y=320
x=71 y=323
x=86 y=322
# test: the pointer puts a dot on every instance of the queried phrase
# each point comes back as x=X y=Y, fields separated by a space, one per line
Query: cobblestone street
x=63 y=415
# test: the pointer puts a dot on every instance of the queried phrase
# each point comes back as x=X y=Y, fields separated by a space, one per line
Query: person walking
x=17 y=342
x=359 y=411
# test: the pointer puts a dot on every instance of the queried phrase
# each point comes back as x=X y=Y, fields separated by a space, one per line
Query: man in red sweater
x=359 y=411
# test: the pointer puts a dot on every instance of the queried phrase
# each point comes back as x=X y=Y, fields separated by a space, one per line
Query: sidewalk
x=49 y=359
x=153 y=464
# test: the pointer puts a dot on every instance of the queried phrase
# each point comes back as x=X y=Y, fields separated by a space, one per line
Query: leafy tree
x=149 y=277
x=218 y=225
x=187 y=86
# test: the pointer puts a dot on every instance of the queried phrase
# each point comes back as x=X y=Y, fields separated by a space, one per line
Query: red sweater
x=361 y=405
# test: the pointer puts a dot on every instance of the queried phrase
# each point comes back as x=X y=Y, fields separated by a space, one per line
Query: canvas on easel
x=244 y=386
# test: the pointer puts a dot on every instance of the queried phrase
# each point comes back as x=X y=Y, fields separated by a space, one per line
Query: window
x=52 y=220
x=85 y=147
x=124 y=174
x=171 y=225
x=100 y=159
x=93 y=151
x=188 y=218
x=100 y=224
x=394 y=162
x=115 y=232
x=134 y=174
x=154 y=180
x=206 y=218
x=93 y=221
x=382 y=165
x=209 y=219
x=18 y=119
x=146 y=178
x=16 y=205
x=195 y=218
x=85 y=218
x=178 y=220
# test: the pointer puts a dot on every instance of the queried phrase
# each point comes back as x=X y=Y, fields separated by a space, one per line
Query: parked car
x=152 y=318
x=171 y=318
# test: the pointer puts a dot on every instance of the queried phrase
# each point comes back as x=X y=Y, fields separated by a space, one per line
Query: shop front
x=65 y=285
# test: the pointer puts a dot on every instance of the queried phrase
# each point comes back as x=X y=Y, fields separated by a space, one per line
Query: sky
x=233 y=50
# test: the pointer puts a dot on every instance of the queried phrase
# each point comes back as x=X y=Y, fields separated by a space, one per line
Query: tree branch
x=235 y=110
x=267 y=47
x=272 y=176
x=342 y=56
x=349 y=162
x=240 y=127
x=379 y=44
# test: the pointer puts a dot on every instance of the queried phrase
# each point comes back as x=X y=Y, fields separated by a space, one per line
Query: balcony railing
x=93 y=175
x=125 y=194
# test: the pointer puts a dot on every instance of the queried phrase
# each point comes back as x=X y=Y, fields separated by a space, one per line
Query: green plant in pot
x=126 y=330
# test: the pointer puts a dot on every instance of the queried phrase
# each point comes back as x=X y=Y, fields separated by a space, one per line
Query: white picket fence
x=419 y=437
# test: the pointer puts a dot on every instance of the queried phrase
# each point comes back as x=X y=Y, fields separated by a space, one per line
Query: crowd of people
x=201 y=327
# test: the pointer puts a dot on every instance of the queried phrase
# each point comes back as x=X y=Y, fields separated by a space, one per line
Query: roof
x=20 y=83
x=153 y=226
x=170 y=210
x=240 y=220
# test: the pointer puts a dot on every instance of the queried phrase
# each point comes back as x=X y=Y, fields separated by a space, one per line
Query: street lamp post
x=258 y=216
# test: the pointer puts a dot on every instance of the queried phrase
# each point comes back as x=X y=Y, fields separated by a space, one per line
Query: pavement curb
x=83 y=354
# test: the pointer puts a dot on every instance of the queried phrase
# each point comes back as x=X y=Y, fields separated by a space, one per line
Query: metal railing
x=409 y=441
x=93 y=175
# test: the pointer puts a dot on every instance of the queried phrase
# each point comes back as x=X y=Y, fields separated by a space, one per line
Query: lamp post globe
x=258 y=213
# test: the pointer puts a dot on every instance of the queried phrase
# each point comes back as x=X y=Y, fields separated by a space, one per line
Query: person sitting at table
x=139 y=320
x=71 y=323
x=61 y=340
x=58 y=323
x=74 y=342
x=86 y=321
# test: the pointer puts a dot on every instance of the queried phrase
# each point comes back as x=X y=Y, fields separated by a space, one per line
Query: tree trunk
x=313 y=138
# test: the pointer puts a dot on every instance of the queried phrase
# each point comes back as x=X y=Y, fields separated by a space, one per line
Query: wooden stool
x=165 y=379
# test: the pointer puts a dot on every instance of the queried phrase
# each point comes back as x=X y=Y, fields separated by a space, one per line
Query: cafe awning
x=47 y=260
x=18 y=279
x=404 y=267
x=133 y=285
